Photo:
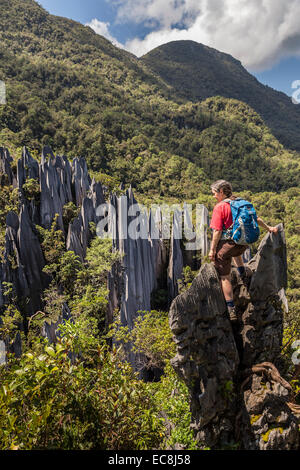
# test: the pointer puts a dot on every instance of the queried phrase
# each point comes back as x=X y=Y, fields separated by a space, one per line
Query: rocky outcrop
x=6 y=173
x=176 y=258
x=207 y=357
x=23 y=260
x=146 y=257
x=81 y=179
x=28 y=168
x=74 y=238
x=266 y=421
x=32 y=259
x=236 y=393
x=260 y=326
x=60 y=184
x=79 y=233
x=141 y=256
x=96 y=194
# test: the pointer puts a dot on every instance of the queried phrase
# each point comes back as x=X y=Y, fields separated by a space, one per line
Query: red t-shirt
x=221 y=216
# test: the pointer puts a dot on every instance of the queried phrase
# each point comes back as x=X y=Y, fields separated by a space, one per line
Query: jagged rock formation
x=260 y=310
x=266 y=420
x=147 y=263
x=236 y=392
x=207 y=357
x=175 y=267
x=23 y=260
x=60 y=183
x=27 y=168
x=6 y=174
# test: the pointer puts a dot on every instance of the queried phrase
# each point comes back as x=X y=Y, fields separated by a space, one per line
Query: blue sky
x=263 y=34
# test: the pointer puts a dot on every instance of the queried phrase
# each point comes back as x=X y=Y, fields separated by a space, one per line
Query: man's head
x=221 y=190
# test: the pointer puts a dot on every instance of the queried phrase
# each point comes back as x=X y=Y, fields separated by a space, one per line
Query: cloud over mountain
x=102 y=28
x=257 y=32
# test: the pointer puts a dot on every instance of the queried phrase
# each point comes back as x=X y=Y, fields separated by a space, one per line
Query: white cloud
x=257 y=32
x=100 y=27
x=166 y=12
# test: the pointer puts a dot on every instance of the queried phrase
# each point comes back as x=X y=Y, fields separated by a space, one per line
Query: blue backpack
x=244 y=229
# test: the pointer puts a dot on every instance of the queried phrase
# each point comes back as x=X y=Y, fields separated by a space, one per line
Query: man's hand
x=213 y=247
x=212 y=255
x=261 y=223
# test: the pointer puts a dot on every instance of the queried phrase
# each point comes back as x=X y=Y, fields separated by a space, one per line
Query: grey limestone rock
x=24 y=260
x=188 y=245
x=66 y=180
x=207 y=357
x=260 y=309
x=28 y=168
x=12 y=268
x=88 y=216
x=143 y=254
x=176 y=259
x=32 y=259
x=52 y=196
x=236 y=392
x=267 y=422
x=79 y=232
x=96 y=194
x=6 y=173
x=73 y=242
x=80 y=179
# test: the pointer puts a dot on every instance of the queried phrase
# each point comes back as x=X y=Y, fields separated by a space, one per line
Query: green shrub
x=48 y=401
x=70 y=212
x=32 y=189
x=88 y=291
x=172 y=398
x=151 y=336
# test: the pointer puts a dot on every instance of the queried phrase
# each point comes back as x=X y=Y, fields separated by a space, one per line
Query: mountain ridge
x=188 y=66
x=71 y=89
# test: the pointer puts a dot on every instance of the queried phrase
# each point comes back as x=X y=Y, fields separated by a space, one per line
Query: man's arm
x=215 y=240
x=262 y=224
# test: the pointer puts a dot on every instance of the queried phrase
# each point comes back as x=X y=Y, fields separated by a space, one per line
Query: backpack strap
x=227 y=233
x=232 y=200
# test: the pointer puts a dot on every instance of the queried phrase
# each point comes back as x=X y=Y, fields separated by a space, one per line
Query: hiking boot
x=232 y=314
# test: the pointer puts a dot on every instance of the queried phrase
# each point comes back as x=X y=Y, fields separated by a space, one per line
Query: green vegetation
x=64 y=395
x=95 y=402
x=197 y=72
x=151 y=336
x=135 y=121
x=70 y=88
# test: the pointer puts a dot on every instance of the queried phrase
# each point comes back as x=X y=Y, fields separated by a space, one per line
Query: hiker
x=223 y=247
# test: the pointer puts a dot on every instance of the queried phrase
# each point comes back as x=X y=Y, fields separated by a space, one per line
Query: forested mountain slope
x=70 y=88
x=197 y=72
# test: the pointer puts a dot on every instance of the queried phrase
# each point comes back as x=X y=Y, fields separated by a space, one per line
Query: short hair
x=222 y=184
